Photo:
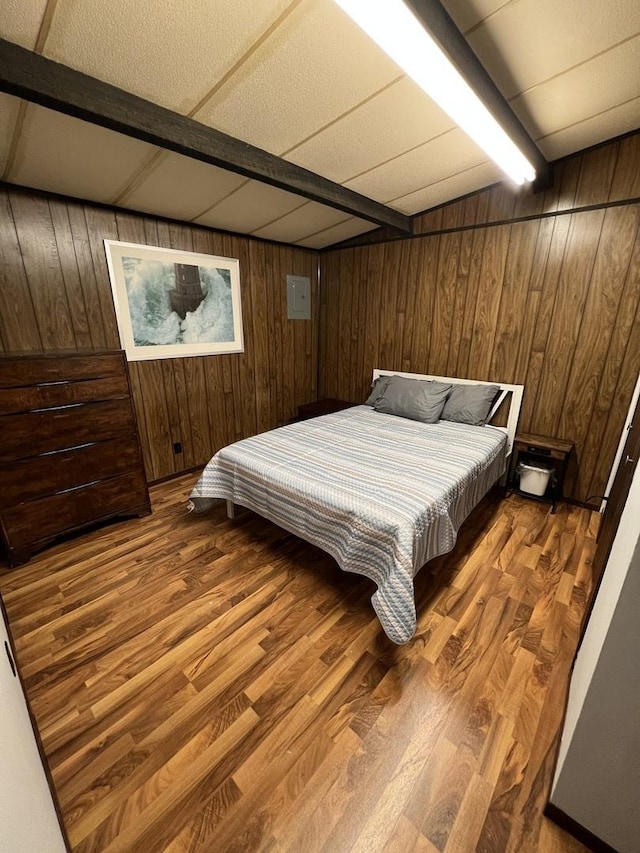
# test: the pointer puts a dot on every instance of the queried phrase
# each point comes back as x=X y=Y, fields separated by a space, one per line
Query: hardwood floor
x=207 y=685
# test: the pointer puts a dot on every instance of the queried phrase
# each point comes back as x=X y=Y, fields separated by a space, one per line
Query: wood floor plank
x=202 y=684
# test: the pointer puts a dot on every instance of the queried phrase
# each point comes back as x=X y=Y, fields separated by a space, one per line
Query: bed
x=382 y=493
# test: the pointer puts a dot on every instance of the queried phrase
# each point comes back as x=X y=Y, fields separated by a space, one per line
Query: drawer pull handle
x=629 y=459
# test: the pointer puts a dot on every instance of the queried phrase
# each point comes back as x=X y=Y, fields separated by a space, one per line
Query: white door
x=28 y=819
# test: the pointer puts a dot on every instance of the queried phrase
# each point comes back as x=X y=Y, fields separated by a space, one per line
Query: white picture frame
x=174 y=304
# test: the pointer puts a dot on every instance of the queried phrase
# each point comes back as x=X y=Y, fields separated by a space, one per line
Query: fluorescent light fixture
x=394 y=27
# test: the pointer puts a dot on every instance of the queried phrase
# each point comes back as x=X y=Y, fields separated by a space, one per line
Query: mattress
x=382 y=494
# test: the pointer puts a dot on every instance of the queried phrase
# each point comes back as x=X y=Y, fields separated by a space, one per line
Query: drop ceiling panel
x=455 y=186
x=170 y=53
x=301 y=223
x=529 y=41
x=317 y=66
x=180 y=187
x=591 y=131
x=397 y=120
x=468 y=13
x=20 y=21
x=8 y=114
x=450 y=153
x=252 y=206
x=584 y=90
x=69 y=156
x=337 y=233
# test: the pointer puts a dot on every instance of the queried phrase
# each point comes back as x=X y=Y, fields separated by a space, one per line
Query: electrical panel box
x=298 y=297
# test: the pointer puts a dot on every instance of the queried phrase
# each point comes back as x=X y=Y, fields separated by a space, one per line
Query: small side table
x=537 y=450
x=322 y=407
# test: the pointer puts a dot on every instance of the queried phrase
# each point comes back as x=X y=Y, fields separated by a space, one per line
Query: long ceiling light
x=394 y=27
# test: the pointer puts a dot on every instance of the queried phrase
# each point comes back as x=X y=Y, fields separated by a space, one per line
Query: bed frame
x=513 y=392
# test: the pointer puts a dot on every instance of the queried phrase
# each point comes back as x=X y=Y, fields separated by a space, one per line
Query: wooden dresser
x=69 y=448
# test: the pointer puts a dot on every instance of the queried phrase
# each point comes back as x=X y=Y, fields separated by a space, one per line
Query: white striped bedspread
x=380 y=493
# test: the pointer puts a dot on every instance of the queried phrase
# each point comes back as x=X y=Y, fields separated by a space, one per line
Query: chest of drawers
x=69 y=449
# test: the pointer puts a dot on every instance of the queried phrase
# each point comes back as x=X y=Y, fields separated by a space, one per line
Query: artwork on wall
x=172 y=304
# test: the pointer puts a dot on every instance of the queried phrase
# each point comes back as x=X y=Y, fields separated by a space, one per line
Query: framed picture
x=172 y=304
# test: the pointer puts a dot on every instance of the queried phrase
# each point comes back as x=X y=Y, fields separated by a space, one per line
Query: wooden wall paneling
x=463 y=367
x=494 y=258
x=442 y=316
x=271 y=272
x=258 y=319
x=101 y=226
x=460 y=300
x=186 y=434
x=388 y=305
x=532 y=309
x=626 y=177
x=502 y=202
x=177 y=415
x=141 y=418
x=620 y=371
x=289 y=366
x=471 y=208
x=402 y=289
x=18 y=325
x=192 y=391
x=37 y=241
x=606 y=285
x=150 y=377
x=373 y=313
x=596 y=175
x=359 y=295
x=70 y=273
x=425 y=299
x=429 y=221
x=548 y=266
x=513 y=303
x=411 y=289
x=86 y=273
x=311 y=337
x=575 y=274
x=343 y=340
x=568 y=179
x=247 y=386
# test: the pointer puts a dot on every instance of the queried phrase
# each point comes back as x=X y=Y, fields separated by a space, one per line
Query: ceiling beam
x=50 y=84
x=443 y=30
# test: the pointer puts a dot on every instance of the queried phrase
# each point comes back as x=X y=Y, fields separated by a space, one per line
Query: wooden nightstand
x=544 y=451
x=322 y=407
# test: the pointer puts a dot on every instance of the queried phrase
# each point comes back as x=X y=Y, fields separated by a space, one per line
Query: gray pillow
x=377 y=389
x=416 y=399
x=469 y=404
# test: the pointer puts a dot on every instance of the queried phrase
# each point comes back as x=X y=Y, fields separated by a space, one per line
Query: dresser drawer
x=37 y=370
x=55 y=394
x=33 y=433
x=28 y=479
x=31 y=523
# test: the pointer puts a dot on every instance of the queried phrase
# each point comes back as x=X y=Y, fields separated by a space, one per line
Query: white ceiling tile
x=180 y=187
x=455 y=186
x=585 y=90
x=468 y=13
x=433 y=161
x=65 y=155
x=20 y=21
x=8 y=113
x=337 y=233
x=317 y=65
x=250 y=207
x=398 y=119
x=170 y=53
x=591 y=131
x=301 y=223
x=529 y=41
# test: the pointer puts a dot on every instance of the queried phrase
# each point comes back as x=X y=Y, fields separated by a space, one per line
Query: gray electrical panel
x=298 y=297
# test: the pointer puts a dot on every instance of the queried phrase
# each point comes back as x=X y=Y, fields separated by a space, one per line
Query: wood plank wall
x=55 y=294
x=552 y=302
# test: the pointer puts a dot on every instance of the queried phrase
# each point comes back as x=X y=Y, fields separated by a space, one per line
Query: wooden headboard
x=511 y=393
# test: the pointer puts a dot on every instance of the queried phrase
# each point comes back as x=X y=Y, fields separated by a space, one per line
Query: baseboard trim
x=581 y=833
